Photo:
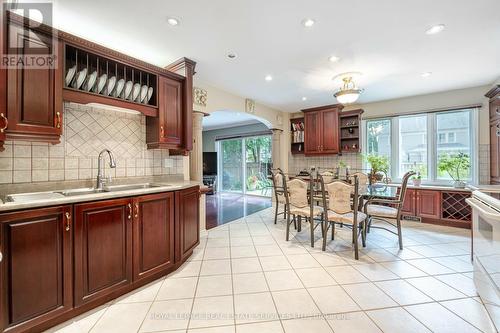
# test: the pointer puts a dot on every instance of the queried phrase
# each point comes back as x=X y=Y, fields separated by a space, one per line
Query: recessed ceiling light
x=304 y=98
x=333 y=58
x=308 y=22
x=426 y=74
x=435 y=29
x=173 y=21
x=231 y=55
x=268 y=78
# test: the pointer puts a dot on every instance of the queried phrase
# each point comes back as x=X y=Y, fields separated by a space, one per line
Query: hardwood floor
x=226 y=207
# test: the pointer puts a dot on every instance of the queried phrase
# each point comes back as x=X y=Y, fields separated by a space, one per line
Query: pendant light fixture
x=349 y=93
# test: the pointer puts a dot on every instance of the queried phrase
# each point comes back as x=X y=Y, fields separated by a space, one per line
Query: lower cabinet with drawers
x=58 y=262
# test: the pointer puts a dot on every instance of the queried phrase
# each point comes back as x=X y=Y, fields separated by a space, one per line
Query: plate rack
x=93 y=63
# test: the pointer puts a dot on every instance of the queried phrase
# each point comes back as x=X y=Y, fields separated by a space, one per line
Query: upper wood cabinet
x=31 y=99
x=322 y=130
x=165 y=131
x=153 y=234
x=36 y=278
x=34 y=93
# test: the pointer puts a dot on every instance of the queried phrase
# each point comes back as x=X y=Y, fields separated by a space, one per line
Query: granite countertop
x=161 y=184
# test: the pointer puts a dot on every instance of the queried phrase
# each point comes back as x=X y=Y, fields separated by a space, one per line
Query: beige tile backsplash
x=88 y=130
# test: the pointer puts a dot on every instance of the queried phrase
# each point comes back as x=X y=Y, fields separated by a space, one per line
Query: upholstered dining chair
x=339 y=209
x=279 y=193
x=301 y=205
x=363 y=180
x=388 y=210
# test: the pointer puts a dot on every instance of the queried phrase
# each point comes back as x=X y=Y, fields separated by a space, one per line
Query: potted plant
x=457 y=166
x=417 y=179
x=379 y=165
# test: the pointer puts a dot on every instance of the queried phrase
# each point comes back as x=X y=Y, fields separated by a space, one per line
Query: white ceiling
x=223 y=119
x=383 y=39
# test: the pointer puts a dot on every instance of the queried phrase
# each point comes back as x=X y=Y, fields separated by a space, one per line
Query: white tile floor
x=244 y=277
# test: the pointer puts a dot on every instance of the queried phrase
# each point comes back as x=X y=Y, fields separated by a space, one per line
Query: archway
x=237 y=161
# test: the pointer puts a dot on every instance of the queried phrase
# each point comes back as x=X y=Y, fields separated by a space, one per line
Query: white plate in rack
x=144 y=93
x=119 y=87
x=111 y=85
x=80 y=77
x=101 y=82
x=150 y=93
x=128 y=89
x=69 y=75
x=136 y=91
x=91 y=81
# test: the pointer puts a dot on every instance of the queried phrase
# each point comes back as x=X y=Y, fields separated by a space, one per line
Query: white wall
x=220 y=100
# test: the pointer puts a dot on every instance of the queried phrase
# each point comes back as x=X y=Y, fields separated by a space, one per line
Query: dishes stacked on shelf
x=129 y=90
x=98 y=75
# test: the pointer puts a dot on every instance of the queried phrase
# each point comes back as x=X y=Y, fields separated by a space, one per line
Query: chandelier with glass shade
x=348 y=93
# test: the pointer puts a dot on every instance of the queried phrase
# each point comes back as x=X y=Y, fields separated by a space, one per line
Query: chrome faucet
x=112 y=164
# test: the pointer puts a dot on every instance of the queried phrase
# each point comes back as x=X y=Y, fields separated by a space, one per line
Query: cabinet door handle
x=497 y=110
x=161 y=131
x=129 y=211
x=6 y=122
x=136 y=209
x=58 y=116
x=68 y=221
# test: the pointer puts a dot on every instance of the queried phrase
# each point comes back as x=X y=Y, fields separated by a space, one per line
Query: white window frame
x=432 y=140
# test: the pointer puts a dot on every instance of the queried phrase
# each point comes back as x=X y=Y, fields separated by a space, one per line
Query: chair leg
x=400 y=236
x=311 y=228
x=276 y=212
x=294 y=222
x=299 y=222
x=288 y=227
x=333 y=230
x=355 y=240
x=363 y=232
x=327 y=225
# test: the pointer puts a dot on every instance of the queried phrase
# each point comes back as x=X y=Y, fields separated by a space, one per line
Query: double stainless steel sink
x=26 y=197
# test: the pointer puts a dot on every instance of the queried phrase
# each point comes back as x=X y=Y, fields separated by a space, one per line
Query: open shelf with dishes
x=297 y=135
x=91 y=78
x=349 y=125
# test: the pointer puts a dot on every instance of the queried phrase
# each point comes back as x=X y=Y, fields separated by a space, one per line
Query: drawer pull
x=136 y=210
x=68 y=221
x=58 y=116
x=129 y=211
x=6 y=122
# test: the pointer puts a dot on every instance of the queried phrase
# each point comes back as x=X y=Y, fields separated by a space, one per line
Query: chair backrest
x=339 y=194
x=297 y=192
x=328 y=176
x=404 y=185
x=277 y=177
x=363 y=180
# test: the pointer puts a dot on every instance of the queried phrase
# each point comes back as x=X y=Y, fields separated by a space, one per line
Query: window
x=419 y=142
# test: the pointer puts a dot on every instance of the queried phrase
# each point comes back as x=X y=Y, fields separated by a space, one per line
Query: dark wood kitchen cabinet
x=103 y=248
x=153 y=234
x=322 y=130
x=36 y=278
x=409 y=203
x=428 y=204
x=165 y=131
x=187 y=221
x=34 y=107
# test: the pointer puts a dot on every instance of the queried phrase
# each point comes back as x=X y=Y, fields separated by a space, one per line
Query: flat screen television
x=209 y=163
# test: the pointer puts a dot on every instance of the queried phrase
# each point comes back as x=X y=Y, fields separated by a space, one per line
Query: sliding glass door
x=245 y=164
